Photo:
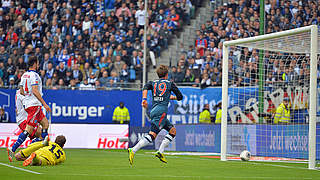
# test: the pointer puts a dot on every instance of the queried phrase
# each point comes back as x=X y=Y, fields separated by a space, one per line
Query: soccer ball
x=245 y=155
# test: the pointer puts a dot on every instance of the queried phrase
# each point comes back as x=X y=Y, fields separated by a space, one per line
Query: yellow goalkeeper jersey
x=53 y=153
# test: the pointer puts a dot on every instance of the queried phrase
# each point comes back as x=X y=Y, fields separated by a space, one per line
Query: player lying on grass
x=43 y=153
x=161 y=95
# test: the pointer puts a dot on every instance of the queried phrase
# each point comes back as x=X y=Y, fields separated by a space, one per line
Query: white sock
x=165 y=142
x=143 y=142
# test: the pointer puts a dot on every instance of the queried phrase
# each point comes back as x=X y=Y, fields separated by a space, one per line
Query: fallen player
x=43 y=153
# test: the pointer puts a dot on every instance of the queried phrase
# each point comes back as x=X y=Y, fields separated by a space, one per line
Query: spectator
x=86 y=70
x=11 y=84
x=179 y=77
x=104 y=79
x=32 y=10
x=86 y=23
x=191 y=52
x=201 y=45
x=14 y=56
x=21 y=65
x=11 y=35
x=124 y=74
x=195 y=68
x=49 y=71
x=206 y=81
x=10 y=68
x=64 y=57
x=45 y=62
x=92 y=78
x=122 y=10
x=61 y=70
x=117 y=65
x=3 y=54
x=140 y=17
x=68 y=77
x=86 y=86
x=61 y=84
x=175 y=17
x=189 y=77
x=199 y=60
x=72 y=85
x=216 y=77
x=113 y=79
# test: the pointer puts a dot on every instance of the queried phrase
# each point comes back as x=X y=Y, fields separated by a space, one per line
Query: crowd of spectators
x=85 y=43
x=201 y=64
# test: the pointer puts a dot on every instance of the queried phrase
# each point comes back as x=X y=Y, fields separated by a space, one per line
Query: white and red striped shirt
x=29 y=79
x=21 y=114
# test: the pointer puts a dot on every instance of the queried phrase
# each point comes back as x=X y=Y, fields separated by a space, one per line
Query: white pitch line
x=21 y=169
x=251 y=162
x=283 y=166
x=173 y=176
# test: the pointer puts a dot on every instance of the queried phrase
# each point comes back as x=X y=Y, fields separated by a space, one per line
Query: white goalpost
x=260 y=75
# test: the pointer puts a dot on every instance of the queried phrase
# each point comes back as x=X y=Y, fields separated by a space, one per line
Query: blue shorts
x=159 y=122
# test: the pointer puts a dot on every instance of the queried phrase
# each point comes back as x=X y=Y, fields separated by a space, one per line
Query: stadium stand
x=240 y=19
x=78 y=41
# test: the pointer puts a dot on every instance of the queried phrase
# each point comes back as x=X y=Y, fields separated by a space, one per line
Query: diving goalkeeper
x=43 y=153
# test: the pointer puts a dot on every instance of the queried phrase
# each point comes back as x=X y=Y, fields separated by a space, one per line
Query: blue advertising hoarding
x=136 y=133
x=200 y=138
x=241 y=137
x=187 y=110
x=74 y=106
x=288 y=141
x=242 y=103
x=8 y=104
x=91 y=106
x=97 y=106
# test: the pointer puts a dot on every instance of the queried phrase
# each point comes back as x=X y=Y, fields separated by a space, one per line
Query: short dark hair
x=162 y=71
x=60 y=140
x=32 y=60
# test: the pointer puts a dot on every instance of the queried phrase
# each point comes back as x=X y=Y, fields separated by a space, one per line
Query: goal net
x=269 y=96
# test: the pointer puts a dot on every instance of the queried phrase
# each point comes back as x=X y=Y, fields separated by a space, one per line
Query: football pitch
x=113 y=164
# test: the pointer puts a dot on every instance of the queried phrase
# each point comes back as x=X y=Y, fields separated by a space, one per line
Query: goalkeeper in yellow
x=43 y=153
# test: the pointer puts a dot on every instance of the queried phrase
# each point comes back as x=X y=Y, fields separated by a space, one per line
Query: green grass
x=113 y=164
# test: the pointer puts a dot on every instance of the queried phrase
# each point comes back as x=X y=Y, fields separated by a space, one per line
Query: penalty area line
x=21 y=169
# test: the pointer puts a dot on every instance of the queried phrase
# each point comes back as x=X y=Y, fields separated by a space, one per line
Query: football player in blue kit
x=161 y=95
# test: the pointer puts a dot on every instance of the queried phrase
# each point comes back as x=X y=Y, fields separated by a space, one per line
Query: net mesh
x=298 y=43
x=269 y=99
